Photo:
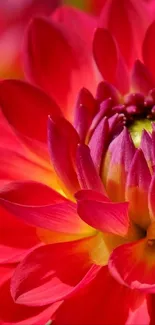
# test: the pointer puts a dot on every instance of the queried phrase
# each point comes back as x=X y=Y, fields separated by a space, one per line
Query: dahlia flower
x=88 y=254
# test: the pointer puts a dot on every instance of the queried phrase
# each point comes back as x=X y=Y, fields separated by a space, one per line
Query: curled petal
x=137 y=186
x=52 y=272
x=15 y=314
x=105 y=216
x=40 y=206
x=133 y=264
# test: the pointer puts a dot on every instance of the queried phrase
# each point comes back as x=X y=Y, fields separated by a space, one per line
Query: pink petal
x=84 y=112
x=148 y=48
x=132 y=264
x=15 y=314
x=137 y=186
x=62 y=141
x=50 y=39
x=106 y=90
x=40 y=206
x=52 y=272
x=98 y=143
x=105 y=216
x=86 y=171
x=141 y=78
x=146 y=146
x=117 y=164
x=104 y=302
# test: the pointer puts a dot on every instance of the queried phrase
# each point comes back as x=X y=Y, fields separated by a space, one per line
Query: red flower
x=106 y=250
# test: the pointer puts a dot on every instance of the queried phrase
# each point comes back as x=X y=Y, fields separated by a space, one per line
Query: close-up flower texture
x=77 y=162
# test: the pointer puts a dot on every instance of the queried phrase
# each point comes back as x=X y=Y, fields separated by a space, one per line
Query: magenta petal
x=106 y=90
x=91 y=195
x=84 y=112
x=146 y=146
x=86 y=171
x=105 y=216
x=99 y=142
x=141 y=78
x=62 y=142
x=41 y=206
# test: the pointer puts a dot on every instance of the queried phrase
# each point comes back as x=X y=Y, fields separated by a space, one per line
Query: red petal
x=52 y=272
x=27 y=108
x=105 y=216
x=148 y=48
x=141 y=78
x=103 y=302
x=86 y=171
x=112 y=68
x=133 y=264
x=134 y=18
x=63 y=140
x=67 y=35
x=137 y=186
x=104 y=44
x=16 y=166
x=41 y=206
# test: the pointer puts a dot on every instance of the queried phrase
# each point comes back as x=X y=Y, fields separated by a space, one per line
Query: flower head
x=97 y=238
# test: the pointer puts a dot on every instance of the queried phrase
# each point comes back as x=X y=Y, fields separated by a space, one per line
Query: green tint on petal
x=137 y=128
x=77 y=3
